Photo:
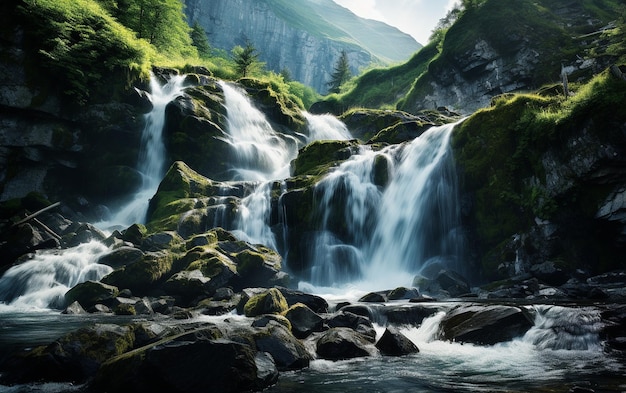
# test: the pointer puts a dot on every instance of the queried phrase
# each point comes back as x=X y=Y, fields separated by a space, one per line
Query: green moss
x=317 y=157
x=142 y=276
x=270 y=302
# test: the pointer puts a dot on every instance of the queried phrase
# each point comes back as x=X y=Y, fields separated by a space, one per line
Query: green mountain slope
x=498 y=47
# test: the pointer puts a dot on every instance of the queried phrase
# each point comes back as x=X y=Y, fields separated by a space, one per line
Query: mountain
x=304 y=37
x=493 y=48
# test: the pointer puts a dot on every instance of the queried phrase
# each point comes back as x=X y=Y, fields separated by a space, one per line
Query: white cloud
x=414 y=17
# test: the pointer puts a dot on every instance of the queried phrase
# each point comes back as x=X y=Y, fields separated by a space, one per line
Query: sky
x=415 y=17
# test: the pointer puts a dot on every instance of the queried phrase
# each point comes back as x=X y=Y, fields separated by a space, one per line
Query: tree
x=341 y=73
x=161 y=22
x=246 y=59
x=199 y=40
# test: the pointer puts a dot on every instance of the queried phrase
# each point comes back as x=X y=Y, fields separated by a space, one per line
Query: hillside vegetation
x=559 y=32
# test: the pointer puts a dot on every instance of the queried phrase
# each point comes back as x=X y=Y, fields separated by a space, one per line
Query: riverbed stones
x=484 y=325
x=288 y=352
x=268 y=302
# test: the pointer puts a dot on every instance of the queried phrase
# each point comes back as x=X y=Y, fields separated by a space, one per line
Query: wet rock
x=343 y=343
x=303 y=320
x=162 y=241
x=188 y=284
x=549 y=273
x=90 y=293
x=315 y=303
x=72 y=358
x=484 y=325
x=403 y=293
x=373 y=297
x=142 y=276
x=121 y=256
x=394 y=343
x=213 y=306
x=353 y=321
x=287 y=351
x=74 y=309
x=413 y=315
x=269 y=302
x=186 y=366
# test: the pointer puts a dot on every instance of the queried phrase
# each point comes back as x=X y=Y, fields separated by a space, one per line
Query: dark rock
x=90 y=293
x=266 y=371
x=121 y=257
x=413 y=315
x=218 y=307
x=549 y=273
x=484 y=325
x=161 y=241
x=187 y=284
x=343 y=343
x=353 y=321
x=72 y=358
x=186 y=366
x=288 y=352
x=373 y=297
x=394 y=343
x=135 y=234
x=315 y=303
x=303 y=320
x=403 y=293
x=223 y=294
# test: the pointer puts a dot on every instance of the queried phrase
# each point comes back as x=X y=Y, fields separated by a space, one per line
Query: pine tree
x=341 y=73
x=246 y=59
x=199 y=40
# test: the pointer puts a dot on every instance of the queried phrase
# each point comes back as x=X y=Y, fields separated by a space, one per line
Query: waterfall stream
x=151 y=161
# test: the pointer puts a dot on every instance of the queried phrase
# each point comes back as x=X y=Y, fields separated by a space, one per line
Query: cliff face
x=305 y=38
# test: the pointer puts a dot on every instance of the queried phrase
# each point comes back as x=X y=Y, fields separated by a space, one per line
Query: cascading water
x=259 y=153
x=151 y=162
x=386 y=214
x=41 y=282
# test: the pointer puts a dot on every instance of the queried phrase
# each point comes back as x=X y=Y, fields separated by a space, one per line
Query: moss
x=270 y=302
x=317 y=157
x=142 y=276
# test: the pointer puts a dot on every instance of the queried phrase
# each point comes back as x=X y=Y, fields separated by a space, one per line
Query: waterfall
x=261 y=154
x=151 y=161
x=41 y=282
x=386 y=214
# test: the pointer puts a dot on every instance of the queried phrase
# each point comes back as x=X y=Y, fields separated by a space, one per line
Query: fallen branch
x=30 y=217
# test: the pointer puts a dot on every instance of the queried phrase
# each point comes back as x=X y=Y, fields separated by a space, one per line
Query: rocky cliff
x=303 y=37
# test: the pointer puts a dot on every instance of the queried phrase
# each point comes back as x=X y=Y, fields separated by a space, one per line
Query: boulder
x=89 y=293
x=484 y=325
x=287 y=351
x=394 y=343
x=74 y=357
x=303 y=320
x=218 y=365
x=343 y=343
x=403 y=293
x=549 y=273
x=353 y=321
x=315 y=303
x=188 y=284
x=74 y=309
x=143 y=275
x=268 y=302
x=373 y=297
x=121 y=256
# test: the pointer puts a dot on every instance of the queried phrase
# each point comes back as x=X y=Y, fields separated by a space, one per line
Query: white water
x=41 y=282
x=151 y=161
x=379 y=238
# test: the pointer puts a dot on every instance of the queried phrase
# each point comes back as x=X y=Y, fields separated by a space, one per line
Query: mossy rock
x=317 y=157
x=135 y=234
x=270 y=302
x=89 y=293
x=144 y=275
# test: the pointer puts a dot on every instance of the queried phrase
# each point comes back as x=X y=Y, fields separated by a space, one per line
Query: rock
x=187 y=366
x=266 y=371
x=74 y=309
x=287 y=351
x=125 y=309
x=394 y=343
x=343 y=343
x=403 y=293
x=90 y=293
x=484 y=325
x=143 y=275
x=162 y=241
x=452 y=283
x=74 y=357
x=266 y=319
x=135 y=234
x=257 y=265
x=549 y=273
x=315 y=303
x=189 y=284
x=373 y=297
x=303 y=320
x=121 y=256
x=358 y=323
x=269 y=302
